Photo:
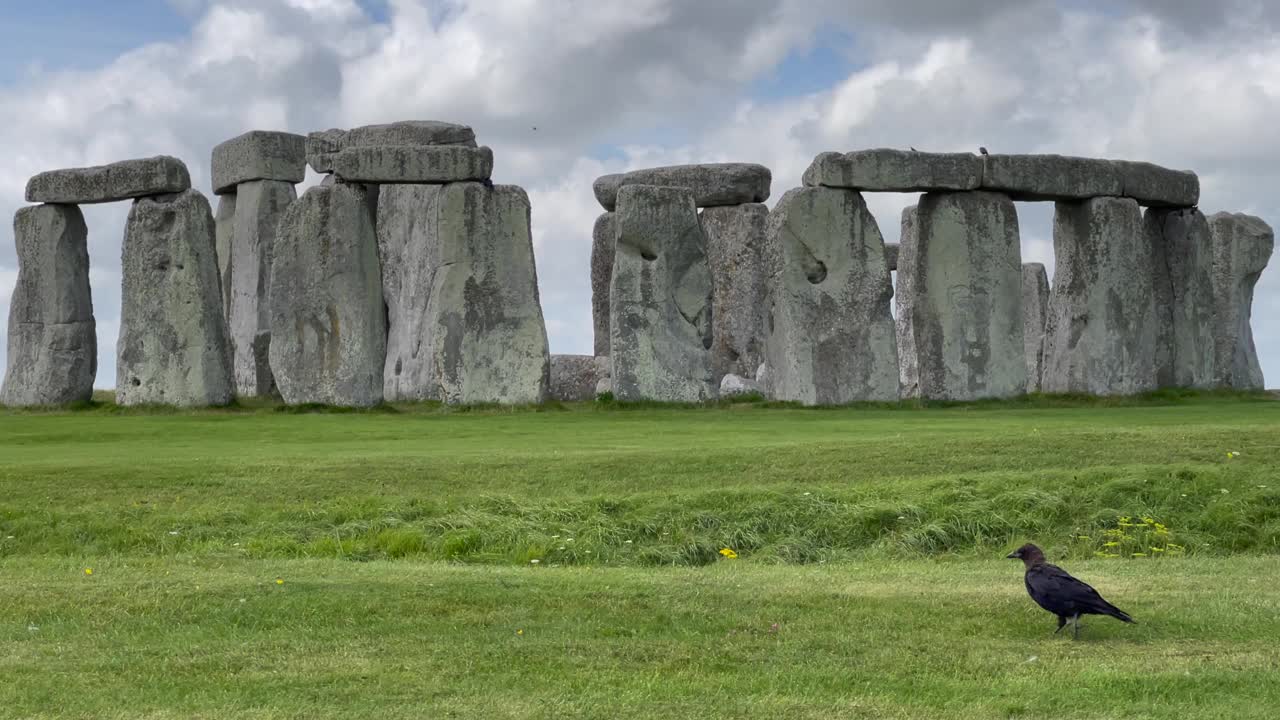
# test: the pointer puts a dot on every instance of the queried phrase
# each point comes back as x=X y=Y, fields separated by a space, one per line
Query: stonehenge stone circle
x=904 y=299
x=110 y=183
x=711 y=184
x=967 y=314
x=259 y=155
x=321 y=147
x=1100 y=335
x=1182 y=262
x=660 y=300
x=328 y=321
x=735 y=252
x=576 y=378
x=831 y=334
x=886 y=170
x=466 y=322
x=53 y=345
x=1035 y=308
x=1051 y=177
x=173 y=347
x=603 y=237
x=1242 y=247
x=224 y=221
x=405 y=164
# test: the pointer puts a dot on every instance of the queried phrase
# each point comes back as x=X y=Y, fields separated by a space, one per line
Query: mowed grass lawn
x=264 y=564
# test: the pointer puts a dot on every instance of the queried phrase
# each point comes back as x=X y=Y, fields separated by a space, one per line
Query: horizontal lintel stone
x=1051 y=177
x=434 y=164
x=119 y=181
x=259 y=155
x=323 y=146
x=890 y=170
x=712 y=184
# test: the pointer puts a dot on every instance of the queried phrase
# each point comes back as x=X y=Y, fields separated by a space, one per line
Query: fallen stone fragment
x=328 y=321
x=904 y=300
x=735 y=252
x=1035 y=308
x=888 y=170
x=434 y=164
x=1242 y=247
x=710 y=184
x=967 y=314
x=1182 y=260
x=1155 y=186
x=1051 y=177
x=660 y=303
x=322 y=146
x=259 y=206
x=53 y=346
x=259 y=155
x=575 y=378
x=110 y=183
x=1100 y=334
x=736 y=386
x=603 y=237
x=173 y=347
x=832 y=338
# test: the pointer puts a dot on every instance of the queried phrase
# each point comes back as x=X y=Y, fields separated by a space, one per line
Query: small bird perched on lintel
x=1056 y=591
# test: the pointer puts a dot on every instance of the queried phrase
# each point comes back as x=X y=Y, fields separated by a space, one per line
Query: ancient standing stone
x=53 y=346
x=258 y=155
x=891 y=251
x=904 y=301
x=735 y=252
x=1182 y=283
x=1035 y=308
x=328 y=321
x=660 y=299
x=602 y=244
x=1242 y=246
x=968 y=307
x=1100 y=335
x=466 y=323
x=711 y=184
x=110 y=183
x=224 y=231
x=831 y=335
x=259 y=206
x=575 y=378
x=173 y=347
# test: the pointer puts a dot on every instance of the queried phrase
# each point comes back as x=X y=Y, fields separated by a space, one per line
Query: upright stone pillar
x=735 y=252
x=660 y=300
x=904 y=298
x=1100 y=335
x=603 y=237
x=224 y=231
x=328 y=321
x=173 y=347
x=1242 y=247
x=53 y=345
x=1182 y=262
x=1035 y=308
x=831 y=334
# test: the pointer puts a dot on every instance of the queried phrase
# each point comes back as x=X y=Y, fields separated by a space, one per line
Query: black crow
x=1056 y=591
x=983 y=151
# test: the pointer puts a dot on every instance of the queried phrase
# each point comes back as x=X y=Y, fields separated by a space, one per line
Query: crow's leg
x=1075 y=621
x=1062 y=622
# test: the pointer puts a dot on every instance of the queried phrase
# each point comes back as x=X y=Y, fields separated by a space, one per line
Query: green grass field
x=421 y=562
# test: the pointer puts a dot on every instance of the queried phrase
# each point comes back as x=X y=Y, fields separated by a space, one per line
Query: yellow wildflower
x=729 y=553
x=88 y=571
x=279 y=581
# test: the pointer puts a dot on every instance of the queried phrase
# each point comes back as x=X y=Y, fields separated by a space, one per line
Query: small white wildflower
x=902 y=517
x=807 y=494
x=629 y=541
x=33 y=628
x=8 y=537
x=1224 y=491
x=241 y=599
x=534 y=561
x=173 y=532
x=555 y=537
x=561 y=547
x=568 y=540
x=1184 y=494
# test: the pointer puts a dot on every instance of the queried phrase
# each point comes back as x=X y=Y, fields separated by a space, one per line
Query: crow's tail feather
x=1117 y=613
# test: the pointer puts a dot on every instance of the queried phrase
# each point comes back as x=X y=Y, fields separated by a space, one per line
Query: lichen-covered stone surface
x=466 y=323
x=660 y=300
x=328 y=321
x=603 y=237
x=890 y=170
x=904 y=298
x=1182 y=260
x=173 y=347
x=832 y=337
x=407 y=164
x=1242 y=247
x=1100 y=335
x=53 y=347
x=967 y=313
x=259 y=206
x=735 y=253
x=322 y=146
x=710 y=184
x=575 y=378
x=1035 y=308
x=258 y=155
x=110 y=183
x=1051 y=177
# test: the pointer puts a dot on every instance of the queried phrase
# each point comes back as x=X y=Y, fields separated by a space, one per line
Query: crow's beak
x=1013 y=555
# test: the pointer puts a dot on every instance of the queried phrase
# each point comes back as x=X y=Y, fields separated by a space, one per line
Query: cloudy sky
x=618 y=84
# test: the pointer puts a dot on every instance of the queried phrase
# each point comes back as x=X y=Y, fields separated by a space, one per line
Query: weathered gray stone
x=110 y=183
x=259 y=206
x=1182 y=283
x=735 y=252
x=889 y=170
x=466 y=324
x=53 y=346
x=711 y=184
x=322 y=146
x=1051 y=177
x=1035 y=308
x=1155 y=186
x=328 y=321
x=735 y=386
x=831 y=335
x=173 y=347
x=967 y=313
x=1242 y=247
x=575 y=378
x=259 y=155
x=891 y=251
x=224 y=232
x=904 y=298
x=435 y=164
x=1100 y=334
x=660 y=300
x=603 y=238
